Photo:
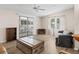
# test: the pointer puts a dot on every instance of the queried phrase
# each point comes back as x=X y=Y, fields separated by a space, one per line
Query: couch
x=64 y=41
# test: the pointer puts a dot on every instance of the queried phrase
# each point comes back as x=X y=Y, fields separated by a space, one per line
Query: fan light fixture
x=37 y=8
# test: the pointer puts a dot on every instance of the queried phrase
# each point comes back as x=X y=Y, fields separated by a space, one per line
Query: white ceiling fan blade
x=42 y=9
x=36 y=6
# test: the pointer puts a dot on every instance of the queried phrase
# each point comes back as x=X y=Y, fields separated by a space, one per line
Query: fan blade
x=36 y=6
x=41 y=9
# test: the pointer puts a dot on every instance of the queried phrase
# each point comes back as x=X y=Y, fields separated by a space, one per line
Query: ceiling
x=27 y=9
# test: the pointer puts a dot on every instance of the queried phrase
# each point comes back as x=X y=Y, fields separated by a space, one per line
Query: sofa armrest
x=2 y=49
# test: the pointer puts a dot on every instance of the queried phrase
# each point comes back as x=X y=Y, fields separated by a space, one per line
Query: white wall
x=9 y=18
x=37 y=24
x=76 y=15
x=68 y=15
x=76 y=23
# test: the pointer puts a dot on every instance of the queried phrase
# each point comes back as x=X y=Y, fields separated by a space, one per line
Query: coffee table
x=30 y=45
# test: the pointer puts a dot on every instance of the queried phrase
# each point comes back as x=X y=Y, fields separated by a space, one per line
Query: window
x=52 y=23
x=58 y=23
x=55 y=23
x=26 y=26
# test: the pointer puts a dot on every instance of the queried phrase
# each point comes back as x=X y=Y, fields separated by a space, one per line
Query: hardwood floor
x=49 y=45
x=11 y=48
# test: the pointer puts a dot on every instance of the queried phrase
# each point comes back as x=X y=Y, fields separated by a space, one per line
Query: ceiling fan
x=38 y=8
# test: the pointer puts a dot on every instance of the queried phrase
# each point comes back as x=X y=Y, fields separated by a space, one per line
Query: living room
x=45 y=21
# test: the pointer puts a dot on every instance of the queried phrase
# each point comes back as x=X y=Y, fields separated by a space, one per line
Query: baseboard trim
x=2 y=41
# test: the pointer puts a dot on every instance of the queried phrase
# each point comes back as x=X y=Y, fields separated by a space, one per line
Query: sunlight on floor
x=49 y=44
x=50 y=47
